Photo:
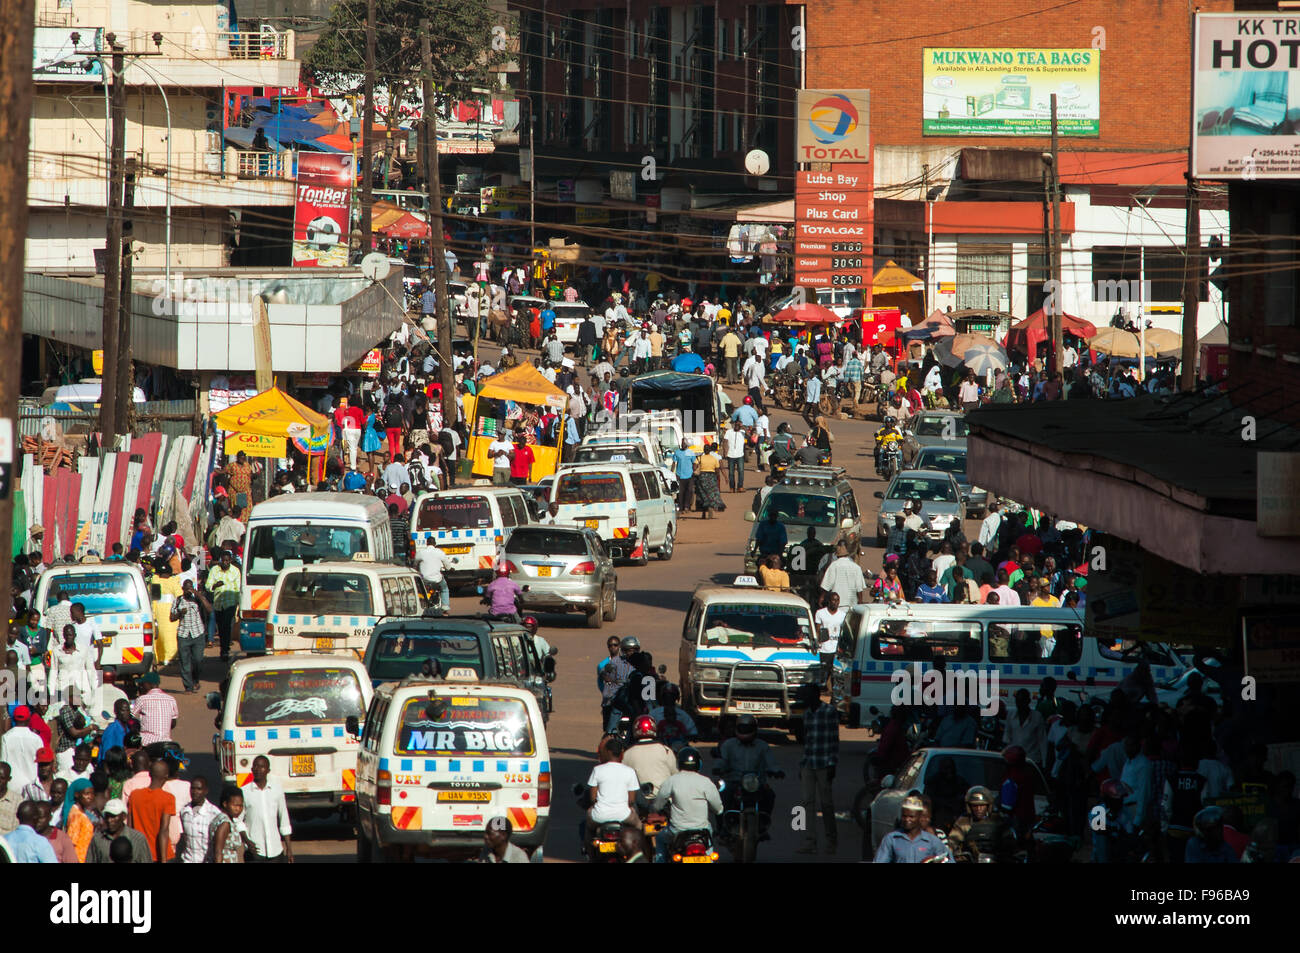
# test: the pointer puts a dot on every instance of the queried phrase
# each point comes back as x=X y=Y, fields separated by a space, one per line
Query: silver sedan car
x=941 y=501
x=563 y=569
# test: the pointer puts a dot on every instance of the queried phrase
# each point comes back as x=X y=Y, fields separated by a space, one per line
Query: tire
x=749 y=843
x=645 y=556
x=596 y=618
x=665 y=551
x=612 y=612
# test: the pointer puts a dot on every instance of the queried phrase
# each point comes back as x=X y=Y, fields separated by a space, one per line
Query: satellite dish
x=757 y=162
x=375 y=266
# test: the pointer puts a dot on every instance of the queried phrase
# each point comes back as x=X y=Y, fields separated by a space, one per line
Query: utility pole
x=437 y=248
x=1054 y=358
x=109 y=418
x=17 y=29
x=367 y=132
x=125 y=371
x=1191 y=261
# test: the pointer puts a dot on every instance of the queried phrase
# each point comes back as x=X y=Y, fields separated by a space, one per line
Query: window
x=652 y=483
x=1039 y=271
x=939 y=425
x=802 y=508
x=506 y=662
x=99 y=592
x=1116 y=273
x=453 y=512
x=910 y=640
x=1049 y=643
x=308 y=696
x=983 y=277
x=722 y=39
x=465 y=724
x=320 y=593
x=398 y=652
x=591 y=487
x=848 y=507
x=272 y=549
x=374 y=722
x=927 y=491
x=1280 y=301
x=756 y=626
x=1165 y=270
x=507 y=512
x=547 y=540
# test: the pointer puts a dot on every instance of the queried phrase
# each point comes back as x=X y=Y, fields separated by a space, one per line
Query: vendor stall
x=261 y=425
x=503 y=400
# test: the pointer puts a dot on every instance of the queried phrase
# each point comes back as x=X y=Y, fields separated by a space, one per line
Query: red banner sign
x=322 y=217
x=833 y=228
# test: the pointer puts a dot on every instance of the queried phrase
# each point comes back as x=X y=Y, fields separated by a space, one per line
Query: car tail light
x=631 y=516
x=110 y=675
x=384 y=788
x=227 y=757
x=268 y=639
x=583 y=569
x=544 y=789
x=511 y=567
x=253 y=614
x=148 y=634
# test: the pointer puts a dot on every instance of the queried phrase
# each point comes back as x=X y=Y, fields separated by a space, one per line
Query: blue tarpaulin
x=688 y=362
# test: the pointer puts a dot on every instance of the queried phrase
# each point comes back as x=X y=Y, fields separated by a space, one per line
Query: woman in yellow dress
x=164 y=629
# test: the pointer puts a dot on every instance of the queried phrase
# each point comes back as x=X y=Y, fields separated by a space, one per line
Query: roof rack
x=807 y=475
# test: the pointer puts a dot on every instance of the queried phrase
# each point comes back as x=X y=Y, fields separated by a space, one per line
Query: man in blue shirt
x=428 y=302
x=745 y=414
x=571 y=436
x=770 y=535
x=115 y=734
x=684 y=461
x=930 y=590
x=27 y=846
x=548 y=319
x=912 y=845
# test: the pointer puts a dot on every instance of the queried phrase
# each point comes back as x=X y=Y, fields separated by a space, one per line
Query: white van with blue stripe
x=440 y=759
x=469 y=525
x=114 y=597
x=1022 y=644
x=628 y=505
x=747 y=650
x=331 y=608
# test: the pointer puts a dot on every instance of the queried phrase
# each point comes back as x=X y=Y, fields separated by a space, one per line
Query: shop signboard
x=321 y=221
x=833 y=228
x=833 y=125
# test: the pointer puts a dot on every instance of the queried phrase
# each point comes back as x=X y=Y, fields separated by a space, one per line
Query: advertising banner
x=372 y=362
x=1246 y=96
x=321 y=220
x=833 y=125
x=833 y=228
x=255 y=445
x=54 y=59
x=1008 y=92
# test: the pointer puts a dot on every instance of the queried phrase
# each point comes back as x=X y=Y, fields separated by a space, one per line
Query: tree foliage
x=461 y=37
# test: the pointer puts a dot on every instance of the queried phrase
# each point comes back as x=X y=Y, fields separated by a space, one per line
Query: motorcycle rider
x=784 y=447
x=981 y=831
x=912 y=844
x=638 y=691
x=886 y=436
x=691 y=798
x=746 y=753
x=674 y=727
x=653 y=761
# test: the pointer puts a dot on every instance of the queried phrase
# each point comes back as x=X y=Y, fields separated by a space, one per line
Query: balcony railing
x=187 y=167
x=202 y=44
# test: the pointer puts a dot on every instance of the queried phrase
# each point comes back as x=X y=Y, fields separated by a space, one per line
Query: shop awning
x=524 y=384
x=273 y=413
x=767 y=213
x=406 y=226
x=893 y=279
x=1026 y=336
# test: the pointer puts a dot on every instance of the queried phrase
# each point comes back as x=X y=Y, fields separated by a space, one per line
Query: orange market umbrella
x=806 y=314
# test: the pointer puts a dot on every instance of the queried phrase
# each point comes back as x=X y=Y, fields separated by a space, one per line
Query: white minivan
x=331 y=608
x=1022 y=644
x=298 y=529
x=629 y=506
x=294 y=710
x=470 y=525
x=114 y=597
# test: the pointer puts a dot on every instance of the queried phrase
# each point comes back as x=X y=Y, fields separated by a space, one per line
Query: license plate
x=697 y=860
x=591 y=524
x=543 y=570
x=757 y=706
x=455 y=550
x=324 y=645
x=460 y=797
x=607 y=847
x=107 y=640
x=302 y=765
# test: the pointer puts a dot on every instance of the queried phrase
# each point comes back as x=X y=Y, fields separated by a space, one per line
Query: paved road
x=652 y=601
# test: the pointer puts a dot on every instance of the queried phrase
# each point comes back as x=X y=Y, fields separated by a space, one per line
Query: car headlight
x=709 y=675
x=940 y=520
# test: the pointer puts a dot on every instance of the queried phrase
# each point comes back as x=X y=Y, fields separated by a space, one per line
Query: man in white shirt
x=752 y=374
x=989 y=528
x=88 y=631
x=1069 y=357
x=500 y=451
x=18 y=747
x=613 y=788
x=432 y=563
x=843 y=578
x=267 y=817
x=969 y=392
x=196 y=818
x=829 y=620
x=733 y=441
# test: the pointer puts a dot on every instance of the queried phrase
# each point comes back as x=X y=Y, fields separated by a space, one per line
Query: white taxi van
x=298 y=529
x=628 y=505
x=332 y=608
x=1021 y=644
x=747 y=650
x=115 y=597
x=294 y=710
x=469 y=525
x=440 y=758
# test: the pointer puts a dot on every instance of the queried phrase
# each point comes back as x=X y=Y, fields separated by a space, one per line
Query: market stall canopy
x=1029 y=333
x=893 y=279
x=1167 y=343
x=242 y=136
x=1216 y=335
x=806 y=314
x=273 y=413
x=930 y=330
x=407 y=226
x=1116 y=342
x=524 y=384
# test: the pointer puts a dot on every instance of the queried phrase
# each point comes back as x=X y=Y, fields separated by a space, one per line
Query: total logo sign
x=833 y=126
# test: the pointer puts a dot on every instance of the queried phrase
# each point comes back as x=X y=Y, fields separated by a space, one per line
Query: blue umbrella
x=688 y=363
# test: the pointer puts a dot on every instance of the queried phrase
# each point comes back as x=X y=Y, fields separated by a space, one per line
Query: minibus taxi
x=294 y=710
x=332 y=608
x=115 y=597
x=747 y=650
x=442 y=757
x=296 y=530
x=469 y=525
x=628 y=505
x=1021 y=644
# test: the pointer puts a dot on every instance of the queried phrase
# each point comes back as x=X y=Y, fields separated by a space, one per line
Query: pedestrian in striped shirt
x=156 y=710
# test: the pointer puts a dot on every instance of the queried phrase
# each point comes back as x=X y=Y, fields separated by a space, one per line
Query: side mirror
x=887 y=782
x=353 y=726
x=213 y=700
x=750 y=516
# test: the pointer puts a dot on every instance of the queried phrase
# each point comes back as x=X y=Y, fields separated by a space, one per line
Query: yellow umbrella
x=963 y=341
x=1166 y=343
x=273 y=413
x=1116 y=342
x=894 y=279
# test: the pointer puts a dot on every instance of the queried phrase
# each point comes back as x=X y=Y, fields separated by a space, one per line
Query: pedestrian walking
x=188 y=612
x=821 y=750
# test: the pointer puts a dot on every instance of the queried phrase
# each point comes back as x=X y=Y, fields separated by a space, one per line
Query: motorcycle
x=742 y=824
x=693 y=847
x=600 y=845
x=891 y=460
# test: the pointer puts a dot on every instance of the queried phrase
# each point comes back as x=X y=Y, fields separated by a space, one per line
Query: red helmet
x=645 y=728
x=1014 y=755
x=503 y=569
x=530 y=623
x=749 y=400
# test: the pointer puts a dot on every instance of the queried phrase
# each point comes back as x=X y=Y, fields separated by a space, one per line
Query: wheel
x=644 y=558
x=612 y=612
x=596 y=618
x=665 y=551
x=748 y=841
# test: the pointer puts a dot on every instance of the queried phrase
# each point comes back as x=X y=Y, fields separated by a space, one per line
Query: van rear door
x=463 y=524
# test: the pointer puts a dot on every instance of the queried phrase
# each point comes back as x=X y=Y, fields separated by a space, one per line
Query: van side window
x=390 y=596
x=507 y=512
x=374 y=723
x=848 y=507
x=421 y=594
x=525 y=512
x=405 y=588
x=639 y=486
x=505 y=660
x=1045 y=644
x=849 y=635
x=652 y=484
x=906 y=640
